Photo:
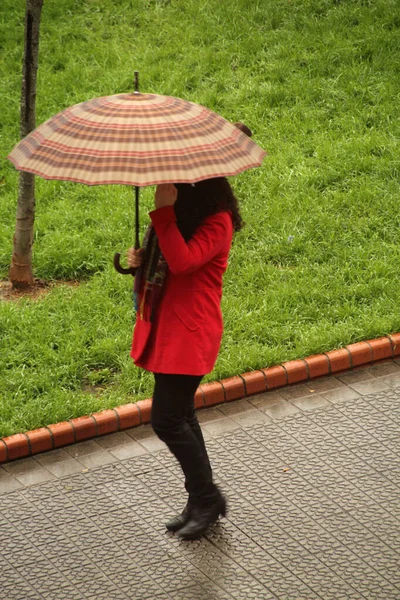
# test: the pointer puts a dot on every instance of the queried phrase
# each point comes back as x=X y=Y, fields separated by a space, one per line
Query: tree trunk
x=20 y=273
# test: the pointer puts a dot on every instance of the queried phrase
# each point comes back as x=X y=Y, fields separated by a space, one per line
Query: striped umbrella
x=136 y=139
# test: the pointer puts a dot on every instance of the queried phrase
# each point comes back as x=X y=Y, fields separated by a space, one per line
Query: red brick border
x=209 y=394
x=318 y=365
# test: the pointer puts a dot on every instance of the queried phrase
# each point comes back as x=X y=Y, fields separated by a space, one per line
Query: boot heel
x=201 y=518
x=223 y=507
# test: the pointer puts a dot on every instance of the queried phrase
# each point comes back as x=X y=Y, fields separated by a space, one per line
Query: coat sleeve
x=182 y=256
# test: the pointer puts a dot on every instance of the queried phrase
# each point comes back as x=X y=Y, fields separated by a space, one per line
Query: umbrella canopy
x=136 y=139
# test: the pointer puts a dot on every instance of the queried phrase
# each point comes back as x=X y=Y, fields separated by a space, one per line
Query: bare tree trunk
x=20 y=273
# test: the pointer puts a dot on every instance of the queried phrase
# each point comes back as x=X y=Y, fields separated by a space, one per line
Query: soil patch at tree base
x=39 y=288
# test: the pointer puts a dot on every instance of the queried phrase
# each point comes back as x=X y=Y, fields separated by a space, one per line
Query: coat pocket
x=182 y=313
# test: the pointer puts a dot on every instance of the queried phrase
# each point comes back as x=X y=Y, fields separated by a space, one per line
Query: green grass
x=317 y=264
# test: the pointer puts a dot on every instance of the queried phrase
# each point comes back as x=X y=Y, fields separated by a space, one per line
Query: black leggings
x=174 y=421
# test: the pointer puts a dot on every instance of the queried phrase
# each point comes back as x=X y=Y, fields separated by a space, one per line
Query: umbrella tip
x=136 y=82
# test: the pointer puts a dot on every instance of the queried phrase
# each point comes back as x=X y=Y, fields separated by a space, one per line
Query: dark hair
x=244 y=128
x=208 y=197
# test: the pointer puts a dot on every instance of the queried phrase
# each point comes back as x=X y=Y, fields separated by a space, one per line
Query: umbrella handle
x=117 y=256
x=120 y=269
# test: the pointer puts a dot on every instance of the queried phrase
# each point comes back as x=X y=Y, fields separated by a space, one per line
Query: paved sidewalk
x=312 y=478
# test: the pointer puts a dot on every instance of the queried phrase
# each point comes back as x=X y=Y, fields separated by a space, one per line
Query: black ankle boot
x=180 y=520
x=201 y=517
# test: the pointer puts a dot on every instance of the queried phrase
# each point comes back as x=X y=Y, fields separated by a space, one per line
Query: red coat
x=186 y=334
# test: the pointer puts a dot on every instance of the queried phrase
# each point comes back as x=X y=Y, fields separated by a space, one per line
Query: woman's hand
x=135 y=257
x=166 y=194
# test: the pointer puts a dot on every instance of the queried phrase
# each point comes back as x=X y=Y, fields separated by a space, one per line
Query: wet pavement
x=311 y=474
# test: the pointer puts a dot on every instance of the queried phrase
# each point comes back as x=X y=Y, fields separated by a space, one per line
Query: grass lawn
x=317 y=265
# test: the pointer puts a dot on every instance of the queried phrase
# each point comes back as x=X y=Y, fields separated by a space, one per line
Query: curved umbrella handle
x=120 y=269
x=117 y=256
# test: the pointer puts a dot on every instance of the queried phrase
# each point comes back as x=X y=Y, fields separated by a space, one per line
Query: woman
x=178 y=289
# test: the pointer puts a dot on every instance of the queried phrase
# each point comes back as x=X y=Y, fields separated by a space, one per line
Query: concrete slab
x=233 y=408
x=356 y=376
x=8 y=483
x=281 y=410
x=115 y=440
x=210 y=414
x=370 y=387
x=382 y=369
x=292 y=392
x=341 y=395
x=311 y=401
x=83 y=448
x=153 y=444
x=220 y=426
x=312 y=492
x=392 y=381
x=325 y=384
x=261 y=401
x=96 y=459
x=128 y=450
x=34 y=476
x=62 y=468
x=251 y=417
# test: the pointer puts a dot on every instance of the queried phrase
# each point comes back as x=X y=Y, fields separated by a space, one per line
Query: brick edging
x=130 y=415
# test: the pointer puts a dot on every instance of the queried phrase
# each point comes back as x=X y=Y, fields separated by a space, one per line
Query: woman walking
x=178 y=289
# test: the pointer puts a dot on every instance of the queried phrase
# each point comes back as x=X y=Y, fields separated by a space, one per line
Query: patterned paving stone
x=313 y=514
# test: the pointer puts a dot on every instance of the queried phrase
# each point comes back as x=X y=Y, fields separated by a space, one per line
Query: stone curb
x=131 y=415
